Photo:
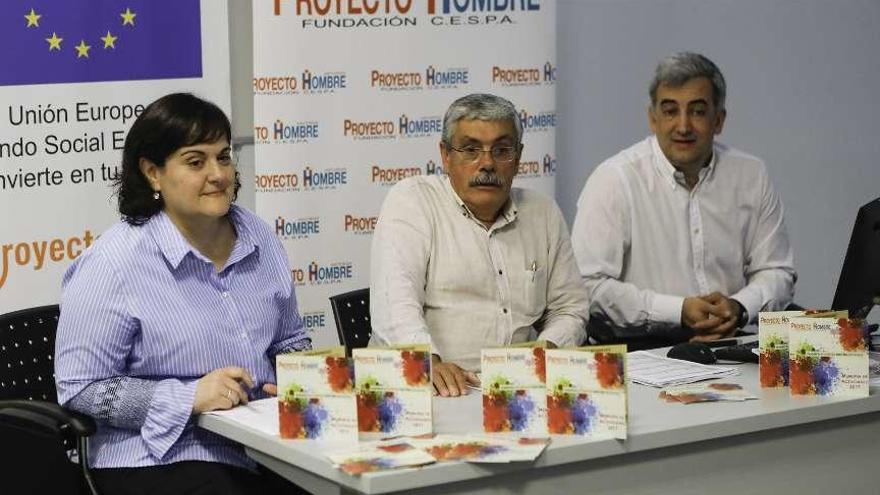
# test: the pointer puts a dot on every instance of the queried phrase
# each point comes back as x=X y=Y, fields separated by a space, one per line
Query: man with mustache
x=679 y=237
x=464 y=261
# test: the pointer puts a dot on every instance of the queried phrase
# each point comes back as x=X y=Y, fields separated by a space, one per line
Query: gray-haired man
x=465 y=261
x=679 y=236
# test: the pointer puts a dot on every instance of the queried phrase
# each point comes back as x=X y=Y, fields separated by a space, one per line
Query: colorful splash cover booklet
x=370 y=457
x=481 y=448
x=828 y=356
x=586 y=391
x=394 y=390
x=773 y=343
x=773 y=347
x=316 y=396
x=705 y=392
x=513 y=385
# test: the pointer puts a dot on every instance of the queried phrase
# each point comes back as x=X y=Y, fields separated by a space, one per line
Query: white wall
x=803 y=78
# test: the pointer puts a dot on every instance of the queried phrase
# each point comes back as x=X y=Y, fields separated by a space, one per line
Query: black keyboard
x=741 y=353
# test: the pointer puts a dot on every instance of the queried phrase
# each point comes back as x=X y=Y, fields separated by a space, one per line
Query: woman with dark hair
x=177 y=310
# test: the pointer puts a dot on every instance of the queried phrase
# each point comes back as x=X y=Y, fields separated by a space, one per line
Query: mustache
x=486 y=179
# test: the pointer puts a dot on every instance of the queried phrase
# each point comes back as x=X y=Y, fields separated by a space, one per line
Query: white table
x=775 y=445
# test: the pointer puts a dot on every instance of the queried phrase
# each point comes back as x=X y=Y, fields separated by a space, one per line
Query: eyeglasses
x=499 y=153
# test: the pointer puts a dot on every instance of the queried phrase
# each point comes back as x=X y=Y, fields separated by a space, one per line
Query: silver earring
x=156 y=195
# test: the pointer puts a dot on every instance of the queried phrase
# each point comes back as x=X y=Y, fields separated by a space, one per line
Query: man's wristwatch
x=743 y=318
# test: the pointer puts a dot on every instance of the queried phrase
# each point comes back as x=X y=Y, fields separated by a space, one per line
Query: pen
x=534 y=269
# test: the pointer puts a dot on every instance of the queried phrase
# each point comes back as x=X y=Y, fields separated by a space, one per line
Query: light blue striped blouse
x=144 y=315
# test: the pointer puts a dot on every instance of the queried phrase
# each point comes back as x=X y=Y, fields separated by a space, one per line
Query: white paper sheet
x=658 y=371
x=260 y=415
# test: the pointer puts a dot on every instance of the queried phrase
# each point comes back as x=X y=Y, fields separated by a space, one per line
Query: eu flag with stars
x=70 y=41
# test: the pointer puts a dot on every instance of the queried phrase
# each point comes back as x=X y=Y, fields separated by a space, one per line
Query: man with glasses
x=464 y=261
x=680 y=237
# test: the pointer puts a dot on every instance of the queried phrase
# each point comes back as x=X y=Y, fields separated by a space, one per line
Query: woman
x=177 y=310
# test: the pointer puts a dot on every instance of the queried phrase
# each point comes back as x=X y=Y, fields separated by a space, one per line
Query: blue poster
x=64 y=41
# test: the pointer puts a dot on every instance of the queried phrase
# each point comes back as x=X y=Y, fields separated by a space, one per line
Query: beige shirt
x=439 y=276
x=644 y=242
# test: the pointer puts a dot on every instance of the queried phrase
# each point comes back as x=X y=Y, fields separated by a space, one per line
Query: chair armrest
x=82 y=425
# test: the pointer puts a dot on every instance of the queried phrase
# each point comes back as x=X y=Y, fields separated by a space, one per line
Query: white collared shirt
x=644 y=242
x=439 y=276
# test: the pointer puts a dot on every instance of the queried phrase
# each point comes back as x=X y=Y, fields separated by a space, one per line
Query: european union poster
x=75 y=75
x=58 y=41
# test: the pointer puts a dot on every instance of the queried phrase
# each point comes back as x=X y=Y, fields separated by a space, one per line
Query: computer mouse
x=692 y=351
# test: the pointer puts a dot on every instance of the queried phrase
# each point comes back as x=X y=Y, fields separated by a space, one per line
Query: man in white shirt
x=680 y=237
x=465 y=261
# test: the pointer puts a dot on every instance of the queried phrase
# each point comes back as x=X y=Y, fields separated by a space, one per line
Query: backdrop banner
x=75 y=76
x=349 y=99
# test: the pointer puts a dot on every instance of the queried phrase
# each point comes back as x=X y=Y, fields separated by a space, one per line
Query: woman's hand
x=271 y=389
x=222 y=389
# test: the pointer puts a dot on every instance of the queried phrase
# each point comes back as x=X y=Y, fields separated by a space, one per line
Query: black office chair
x=37 y=433
x=352 y=314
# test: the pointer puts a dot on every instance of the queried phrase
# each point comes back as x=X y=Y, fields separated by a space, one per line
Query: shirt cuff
x=666 y=309
x=168 y=415
x=750 y=300
x=416 y=337
x=569 y=335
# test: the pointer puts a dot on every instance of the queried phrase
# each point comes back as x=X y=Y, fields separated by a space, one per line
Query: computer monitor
x=858 y=288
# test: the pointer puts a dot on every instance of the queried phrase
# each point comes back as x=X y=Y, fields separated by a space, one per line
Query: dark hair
x=166 y=125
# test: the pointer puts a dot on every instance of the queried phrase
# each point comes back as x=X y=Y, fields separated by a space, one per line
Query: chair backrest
x=352 y=314
x=36 y=460
x=27 y=347
x=43 y=433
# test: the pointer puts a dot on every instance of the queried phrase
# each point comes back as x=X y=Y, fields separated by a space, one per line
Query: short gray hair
x=480 y=106
x=680 y=68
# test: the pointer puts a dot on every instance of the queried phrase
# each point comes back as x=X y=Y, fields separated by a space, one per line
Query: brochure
x=379 y=456
x=828 y=356
x=514 y=390
x=394 y=390
x=315 y=396
x=773 y=343
x=773 y=347
x=586 y=391
x=481 y=448
x=706 y=392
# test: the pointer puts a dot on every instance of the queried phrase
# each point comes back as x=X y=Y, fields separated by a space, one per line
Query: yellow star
x=128 y=17
x=109 y=40
x=33 y=19
x=54 y=42
x=82 y=49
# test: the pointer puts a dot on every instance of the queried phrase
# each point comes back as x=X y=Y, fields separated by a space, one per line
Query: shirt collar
x=672 y=175
x=508 y=211
x=175 y=247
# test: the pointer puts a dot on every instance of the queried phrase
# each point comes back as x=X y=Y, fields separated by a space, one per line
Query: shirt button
x=696 y=231
x=500 y=272
x=505 y=310
x=225 y=293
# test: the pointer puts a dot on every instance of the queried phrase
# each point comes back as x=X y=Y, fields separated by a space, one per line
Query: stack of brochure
x=380 y=456
x=481 y=448
x=402 y=452
x=706 y=392
x=657 y=371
